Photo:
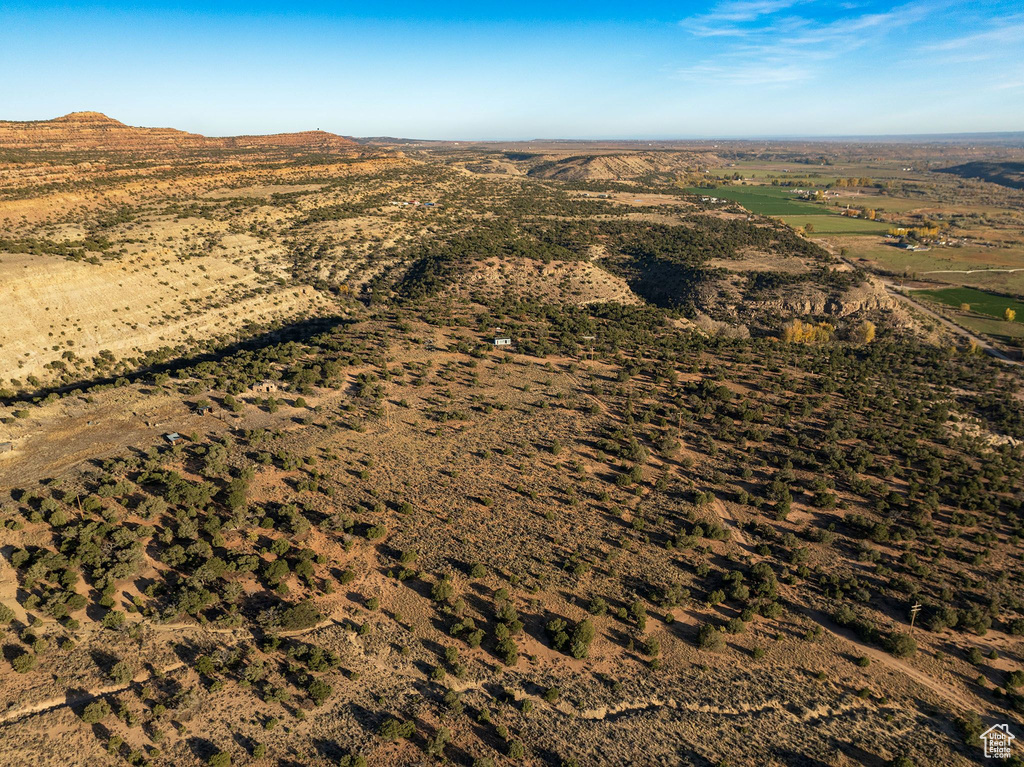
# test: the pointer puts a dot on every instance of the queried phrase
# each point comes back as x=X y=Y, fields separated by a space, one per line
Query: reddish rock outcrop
x=93 y=131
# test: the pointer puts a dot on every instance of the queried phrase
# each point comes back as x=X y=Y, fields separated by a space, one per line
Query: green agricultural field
x=779 y=202
x=829 y=173
x=889 y=204
x=1002 y=282
x=764 y=200
x=998 y=329
x=835 y=224
x=979 y=301
x=955 y=266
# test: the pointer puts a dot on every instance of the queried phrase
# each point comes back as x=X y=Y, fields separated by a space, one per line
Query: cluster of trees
x=853 y=182
x=796 y=331
x=73 y=250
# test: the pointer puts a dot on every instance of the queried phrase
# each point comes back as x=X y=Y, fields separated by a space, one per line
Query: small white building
x=502 y=341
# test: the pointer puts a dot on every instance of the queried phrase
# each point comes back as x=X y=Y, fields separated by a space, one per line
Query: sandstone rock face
x=725 y=298
x=92 y=131
x=815 y=302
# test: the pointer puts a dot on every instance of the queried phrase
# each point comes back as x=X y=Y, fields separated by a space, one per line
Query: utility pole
x=913 y=614
x=588 y=346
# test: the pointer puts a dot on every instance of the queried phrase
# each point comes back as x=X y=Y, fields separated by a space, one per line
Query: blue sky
x=521 y=70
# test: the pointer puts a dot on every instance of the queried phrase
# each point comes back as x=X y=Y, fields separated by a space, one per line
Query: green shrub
x=582 y=636
x=121 y=672
x=709 y=638
x=319 y=691
x=299 y=616
x=114 y=619
x=96 y=712
x=24 y=663
x=395 y=729
x=901 y=645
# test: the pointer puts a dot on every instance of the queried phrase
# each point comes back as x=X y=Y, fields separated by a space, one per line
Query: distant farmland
x=778 y=202
x=979 y=301
x=825 y=223
x=764 y=200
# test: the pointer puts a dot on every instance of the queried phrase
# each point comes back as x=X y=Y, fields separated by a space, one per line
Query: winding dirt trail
x=956 y=697
x=970 y=271
x=733 y=525
x=68 y=699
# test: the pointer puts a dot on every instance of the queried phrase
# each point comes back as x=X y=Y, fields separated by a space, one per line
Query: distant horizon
x=498 y=72
x=639 y=139
x=961 y=135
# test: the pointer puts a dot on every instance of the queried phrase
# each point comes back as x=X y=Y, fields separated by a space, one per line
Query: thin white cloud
x=1009 y=32
x=725 y=19
x=746 y=74
x=1013 y=81
x=843 y=34
x=771 y=45
x=748 y=10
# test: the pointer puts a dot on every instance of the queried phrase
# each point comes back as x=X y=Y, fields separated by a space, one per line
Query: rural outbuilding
x=502 y=341
x=173 y=437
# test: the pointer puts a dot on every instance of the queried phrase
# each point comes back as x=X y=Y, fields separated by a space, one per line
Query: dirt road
x=957 y=698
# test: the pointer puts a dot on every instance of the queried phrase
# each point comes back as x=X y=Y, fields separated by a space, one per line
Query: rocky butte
x=93 y=131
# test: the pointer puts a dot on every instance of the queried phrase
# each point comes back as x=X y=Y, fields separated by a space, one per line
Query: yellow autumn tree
x=863 y=333
x=1009 y=315
x=796 y=331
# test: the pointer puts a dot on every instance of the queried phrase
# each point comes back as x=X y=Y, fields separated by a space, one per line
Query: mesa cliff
x=93 y=131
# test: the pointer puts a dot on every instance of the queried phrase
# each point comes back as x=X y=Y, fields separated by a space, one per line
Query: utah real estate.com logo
x=998 y=741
